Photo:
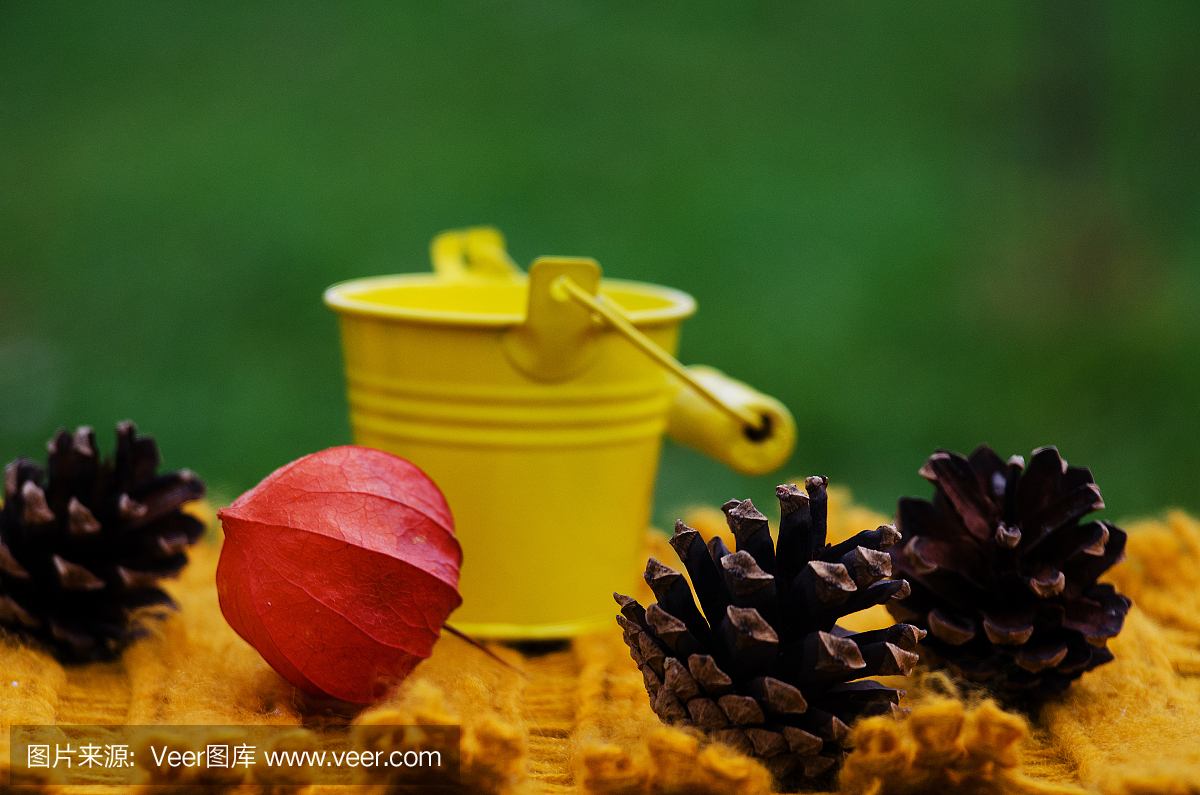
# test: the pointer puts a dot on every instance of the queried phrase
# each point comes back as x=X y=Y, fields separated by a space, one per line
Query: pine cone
x=81 y=553
x=769 y=672
x=1003 y=574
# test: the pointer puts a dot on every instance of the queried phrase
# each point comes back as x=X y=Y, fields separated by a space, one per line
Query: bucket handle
x=717 y=415
x=564 y=288
x=464 y=254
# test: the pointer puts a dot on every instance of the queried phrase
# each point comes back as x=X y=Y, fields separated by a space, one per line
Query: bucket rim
x=342 y=298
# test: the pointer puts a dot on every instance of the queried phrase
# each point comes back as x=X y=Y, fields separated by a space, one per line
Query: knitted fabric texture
x=581 y=721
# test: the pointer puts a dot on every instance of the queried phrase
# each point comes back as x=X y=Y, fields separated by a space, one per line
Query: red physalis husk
x=340 y=568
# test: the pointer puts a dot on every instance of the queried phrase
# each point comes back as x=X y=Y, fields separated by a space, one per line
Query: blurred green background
x=918 y=225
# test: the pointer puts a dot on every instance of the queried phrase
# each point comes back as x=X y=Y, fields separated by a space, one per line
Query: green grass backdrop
x=919 y=225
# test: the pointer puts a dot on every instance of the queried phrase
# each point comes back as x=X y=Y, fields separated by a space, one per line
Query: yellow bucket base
x=569 y=629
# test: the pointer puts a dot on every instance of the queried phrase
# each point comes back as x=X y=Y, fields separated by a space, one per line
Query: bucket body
x=550 y=483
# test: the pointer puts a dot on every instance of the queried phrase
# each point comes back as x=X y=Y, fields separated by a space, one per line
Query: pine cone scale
x=1008 y=630
x=73 y=577
x=1065 y=511
x=766 y=743
x=1036 y=657
x=735 y=739
x=166 y=494
x=1100 y=616
x=958 y=484
x=1083 y=570
x=1039 y=481
x=753 y=536
x=36 y=510
x=800 y=741
x=705 y=671
x=706 y=714
x=794 y=548
x=817 y=766
x=13 y=614
x=81 y=522
x=1079 y=656
x=1071 y=540
x=818 y=508
x=675 y=597
x=741 y=710
x=936 y=526
x=942 y=586
x=708 y=580
x=927 y=555
x=865 y=690
x=10 y=566
x=777 y=697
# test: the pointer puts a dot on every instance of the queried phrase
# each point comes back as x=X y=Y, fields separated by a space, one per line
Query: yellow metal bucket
x=538 y=403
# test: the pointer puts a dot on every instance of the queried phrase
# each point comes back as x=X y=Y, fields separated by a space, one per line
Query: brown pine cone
x=81 y=552
x=1003 y=574
x=765 y=668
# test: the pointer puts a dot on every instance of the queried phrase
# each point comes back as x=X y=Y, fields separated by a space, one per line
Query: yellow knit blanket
x=581 y=721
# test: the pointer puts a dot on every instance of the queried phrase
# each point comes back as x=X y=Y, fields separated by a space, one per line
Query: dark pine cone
x=81 y=553
x=1003 y=574
x=769 y=672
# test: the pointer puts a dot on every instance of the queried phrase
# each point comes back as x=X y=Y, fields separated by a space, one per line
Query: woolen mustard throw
x=581 y=721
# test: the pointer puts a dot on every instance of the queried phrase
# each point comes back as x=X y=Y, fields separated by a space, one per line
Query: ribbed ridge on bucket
x=534 y=415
